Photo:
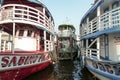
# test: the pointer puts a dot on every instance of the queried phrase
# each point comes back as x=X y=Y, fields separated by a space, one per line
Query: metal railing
x=6 y=45
x=105 y=21
x=91 y=53
x=66 y=33
x=25 y=13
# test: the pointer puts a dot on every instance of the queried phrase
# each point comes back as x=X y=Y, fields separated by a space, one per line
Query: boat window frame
x=19 y=34
x=115 y=4
x=106 y=9
x=29 y=34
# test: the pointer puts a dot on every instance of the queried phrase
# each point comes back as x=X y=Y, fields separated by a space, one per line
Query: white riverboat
x=100 y=39
x=66 y=42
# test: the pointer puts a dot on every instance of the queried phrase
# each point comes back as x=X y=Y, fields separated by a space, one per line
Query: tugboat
x=26 y=38
x=100 y=39
x=66 y=42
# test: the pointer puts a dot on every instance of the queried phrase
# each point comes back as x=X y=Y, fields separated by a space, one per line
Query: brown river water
x=63 y=70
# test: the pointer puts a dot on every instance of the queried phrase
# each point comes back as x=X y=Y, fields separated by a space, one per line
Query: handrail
x=66 y=33
x=102 y=22
x=25 y=13
x=6 y=45
x=92 y=53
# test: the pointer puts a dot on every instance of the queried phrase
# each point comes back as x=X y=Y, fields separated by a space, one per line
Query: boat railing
x=6 y=45
x=91 y=53
x=48 y=45
x=105 y=21
x=25 y=13
x=65 y=33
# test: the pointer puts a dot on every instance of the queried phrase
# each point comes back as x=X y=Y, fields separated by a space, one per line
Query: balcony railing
x=25 y=13
x=66 y=33
x=105 y=21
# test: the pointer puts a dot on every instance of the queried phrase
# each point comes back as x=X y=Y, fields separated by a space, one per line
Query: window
x=65 y=28
x=106 y=10
x=21 y=32
x=29 y=33
x=115 y=4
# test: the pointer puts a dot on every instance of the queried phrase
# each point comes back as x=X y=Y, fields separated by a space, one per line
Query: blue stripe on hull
x=105 y=31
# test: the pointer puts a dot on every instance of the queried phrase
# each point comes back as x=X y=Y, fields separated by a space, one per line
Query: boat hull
x=17 y=67
x=102 y=70
x=99 y=76
x=22 y=73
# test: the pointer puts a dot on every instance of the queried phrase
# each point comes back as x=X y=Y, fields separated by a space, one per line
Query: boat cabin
x=99 y=30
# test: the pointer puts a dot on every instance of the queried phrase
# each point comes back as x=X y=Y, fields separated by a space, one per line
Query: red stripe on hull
x=22 y=73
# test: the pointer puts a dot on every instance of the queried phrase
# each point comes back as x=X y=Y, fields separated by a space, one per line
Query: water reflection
x=64 y=70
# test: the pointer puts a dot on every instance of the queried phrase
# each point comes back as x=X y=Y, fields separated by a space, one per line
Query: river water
x=63 y=70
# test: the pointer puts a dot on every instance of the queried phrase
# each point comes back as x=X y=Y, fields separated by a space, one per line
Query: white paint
x=27 y=44
x=114 y=46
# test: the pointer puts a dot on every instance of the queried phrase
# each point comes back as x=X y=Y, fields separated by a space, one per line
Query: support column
x=106 y=47
x=37 y=35
x=44 y=15
x=87 y=26
x=51 y=43
x=98 y=15
x=0 y=38
x=86 y=47
x=13 y=38
x=45 y=41
x=98 y=47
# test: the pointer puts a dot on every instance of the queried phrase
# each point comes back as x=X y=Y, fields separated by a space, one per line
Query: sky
x=68 y=11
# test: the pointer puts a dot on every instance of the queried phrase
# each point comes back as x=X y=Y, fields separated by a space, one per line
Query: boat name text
x=11 y=61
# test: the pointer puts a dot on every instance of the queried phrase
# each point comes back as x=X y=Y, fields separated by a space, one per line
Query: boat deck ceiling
x=9 y=27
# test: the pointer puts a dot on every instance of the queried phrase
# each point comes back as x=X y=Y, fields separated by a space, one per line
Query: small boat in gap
x=66 y=42
x=100 y=39
x=26 y=38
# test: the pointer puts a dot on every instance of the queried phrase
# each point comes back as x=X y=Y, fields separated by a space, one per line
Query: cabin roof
x=68 y=25
x=91 y=10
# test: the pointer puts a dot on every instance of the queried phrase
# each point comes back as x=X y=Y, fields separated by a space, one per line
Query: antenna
x=67 y=21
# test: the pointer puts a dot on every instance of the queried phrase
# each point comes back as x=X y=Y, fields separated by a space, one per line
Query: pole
x=13 y=38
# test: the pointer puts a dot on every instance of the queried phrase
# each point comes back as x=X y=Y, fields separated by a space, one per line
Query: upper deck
x=102 y=18
x=27 y=12
x=66 y=30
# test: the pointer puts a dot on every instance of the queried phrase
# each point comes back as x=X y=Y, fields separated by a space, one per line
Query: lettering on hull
x=105 y=67
x=15 y=61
